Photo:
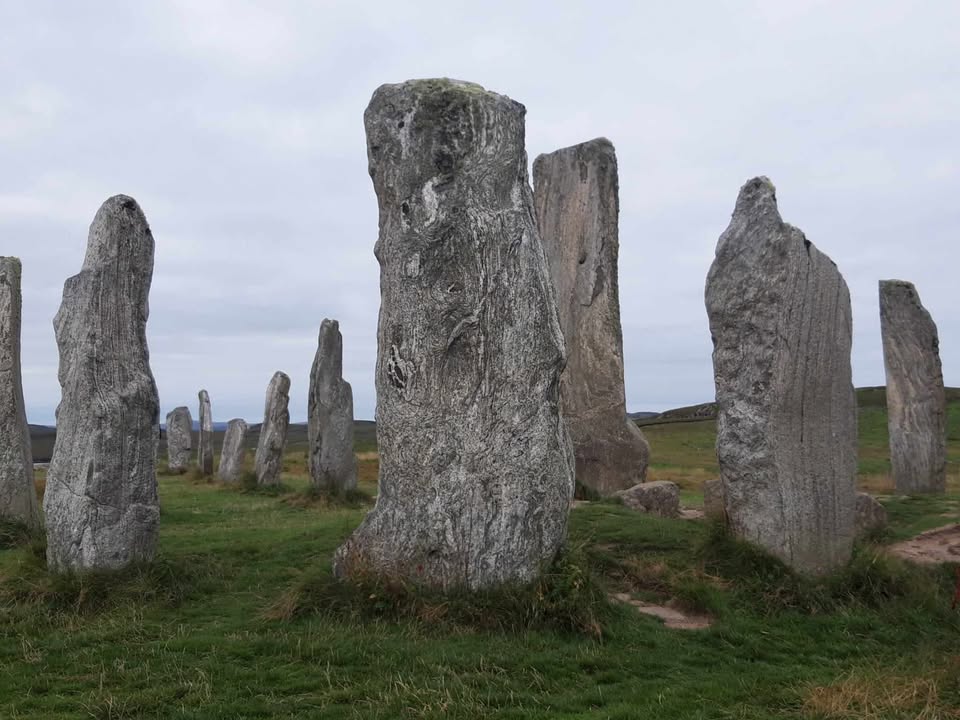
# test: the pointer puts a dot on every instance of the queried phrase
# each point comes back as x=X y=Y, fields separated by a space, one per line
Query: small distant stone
x=205 y=446
x=179 y=439
x=660 y=497
x=870 y=515
x=713 y=506
x=233 y=453
x=273 y=432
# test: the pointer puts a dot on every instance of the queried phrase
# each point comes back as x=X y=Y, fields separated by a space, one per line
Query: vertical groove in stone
x=332 y=464
x=476 y=467
x=18 y=496
x=916 y=402
x=780 y=320
x=101 y=504
x=576 y=191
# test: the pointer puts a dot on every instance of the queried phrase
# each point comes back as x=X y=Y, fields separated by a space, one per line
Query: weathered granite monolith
x=179 y=439
x=101 y=503
x=786 y=413
x=273 y=433
x=18 y=496
x=333 y=466
x=205 y=441
x=916 y=402
x=577 y=202
x=476 y=467
x=233 y=453
x=660 y=497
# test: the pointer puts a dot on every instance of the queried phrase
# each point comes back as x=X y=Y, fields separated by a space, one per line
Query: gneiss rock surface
x=787 y=419
x=476 y=467
x=233 y=453
x=333 y=466
x=205 y=442
x=273 y=433
x=179 y=439
x=18 y=496
x=713 y=504
x=916 y=403
x=577 y=203
x=659 y=497
x=101 y=497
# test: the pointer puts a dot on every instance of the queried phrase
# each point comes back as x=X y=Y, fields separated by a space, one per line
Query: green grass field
x=240 y=618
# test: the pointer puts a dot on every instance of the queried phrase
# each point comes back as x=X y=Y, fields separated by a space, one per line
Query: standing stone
x=205 y=443
x=786 y=413
x=916 y=403
x=333 y=466
x=870 y=514
x=577 y=202
x=233 y=453
x=273 y=432
x=101 y=498
x=179 y=439
x=18 y=496
x=476 y=467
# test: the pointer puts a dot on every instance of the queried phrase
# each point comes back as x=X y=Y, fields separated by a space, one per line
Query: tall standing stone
x=786 y=413
x=205 y=442
x=233 y=453
x=476 y=467
x=577 y=201
x=333 y=466
x=273 y=432
x=18 y=496
x=101 y=497
x=916 y=402
x=179 y=439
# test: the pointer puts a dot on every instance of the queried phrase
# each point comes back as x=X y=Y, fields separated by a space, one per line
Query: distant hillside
x=866 y=397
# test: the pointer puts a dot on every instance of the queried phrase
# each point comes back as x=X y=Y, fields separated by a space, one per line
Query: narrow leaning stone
x=273 y=432
x=205 y=443
x=101 y=498
x=233 y=453
x=577 y=200
x=786 y=413
x=18 y=496
x=179 y=439
x=916 y=402
x=333 y=466
x=476 y=467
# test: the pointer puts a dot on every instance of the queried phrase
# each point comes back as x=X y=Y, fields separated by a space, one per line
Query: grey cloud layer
x=237 y=126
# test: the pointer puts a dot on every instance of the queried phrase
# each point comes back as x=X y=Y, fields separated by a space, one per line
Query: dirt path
x=671 y=617
x=940 y=545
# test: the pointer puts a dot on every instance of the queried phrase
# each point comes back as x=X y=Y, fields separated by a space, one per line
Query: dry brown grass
x=876 y=693
x=686 y=478
x=40 y=482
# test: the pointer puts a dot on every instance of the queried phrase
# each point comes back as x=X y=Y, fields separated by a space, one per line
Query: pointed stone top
x=757 y=195
x=203 y=395
x=280 y=382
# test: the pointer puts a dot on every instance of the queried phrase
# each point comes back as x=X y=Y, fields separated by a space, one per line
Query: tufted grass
x=240 y=617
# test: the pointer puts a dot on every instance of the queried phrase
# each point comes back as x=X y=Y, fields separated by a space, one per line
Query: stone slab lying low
x=660 y=497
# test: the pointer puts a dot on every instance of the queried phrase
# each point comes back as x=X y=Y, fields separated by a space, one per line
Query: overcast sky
x=238 y=128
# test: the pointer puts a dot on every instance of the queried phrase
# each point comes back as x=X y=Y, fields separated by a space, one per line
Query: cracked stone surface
x=332 y=464
x=576 y=191
x=205 y=442
x=18 y=496
x=476 y=466
x=916 y=402
x=101 y=504
x=780 y=320
x=179 y=439
x=268 y=462
x=233 y=453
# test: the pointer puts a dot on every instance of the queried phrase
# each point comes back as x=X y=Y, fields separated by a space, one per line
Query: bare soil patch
x=940 y=545
x=671 y=617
